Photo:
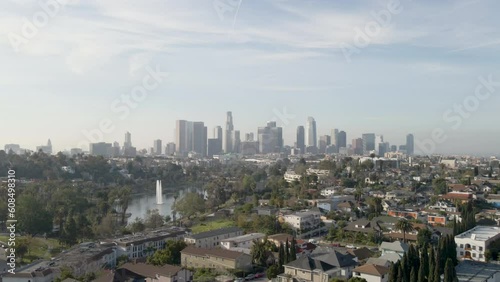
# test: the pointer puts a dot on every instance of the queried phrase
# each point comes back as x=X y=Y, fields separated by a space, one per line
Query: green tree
x=288 y=258
x=137 y=226
x=440 y=186
x=120 y=198
x=32 y=216
x=404 y=226
x=69 y=233
x=281 y=255
x=189 y=205
x=432 y=265
x=413 y=275
x=293 y=250
x=259 y=253
x=450 y=274
x=423 y=237
x=273 y=271
x=154 y=219
x=170 y=255
x=357 y=279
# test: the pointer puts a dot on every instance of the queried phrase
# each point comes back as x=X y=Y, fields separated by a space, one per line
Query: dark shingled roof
x=221 y=253
x=333 y=257
x=217 y=232
x=310 y=264
x=150 y=271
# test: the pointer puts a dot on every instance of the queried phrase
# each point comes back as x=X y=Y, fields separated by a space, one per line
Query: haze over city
x=259 y=60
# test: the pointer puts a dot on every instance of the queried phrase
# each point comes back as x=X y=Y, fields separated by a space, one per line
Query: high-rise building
x=410 y=145
x=270 y=138
x=383 y=148
x=228 y=139
x=214 y=147
x=394 y=148
x=157 y=148
x=335 y=138
x=100 y=149
x=236 y=141
x=324 y=141
x=191 y=137
x=357 y=146
x=47 y=149
x=115 y=151
x=170 y=149
x=311 y=137
x=301 y=145
x=368 y=143
x=249 y=136
x=342 y=140
x=181 y=136
x=218 y=133
x=199 y=138
x=128 y=140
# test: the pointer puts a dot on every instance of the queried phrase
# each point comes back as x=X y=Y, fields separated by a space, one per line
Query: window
x=461 y=253
x=473 y=255
x=481 y=249
x=480 y=255
x=474 y=248
x=461 y=246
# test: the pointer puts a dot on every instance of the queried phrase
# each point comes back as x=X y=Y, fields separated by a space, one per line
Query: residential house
x=435 y=219
x=445 y=206
x=361 y=254
x=403 y=214
x=87 y=257
x=345 y=262
x=195 y=257
x=397 y=247
x=304 y=222
x=267 y=210
x=346 y=207
x=379 y=261
x=278 y=239
x=242 y=242
x=372 y=273
x=151 y=273
x=459 y=197
x=326 y=205
x=330 y=191
x=307 y=269
x=212 y=239
x=476 y=271
x=363 y=226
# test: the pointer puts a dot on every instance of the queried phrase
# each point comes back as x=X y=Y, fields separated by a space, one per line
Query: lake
x=140 y=204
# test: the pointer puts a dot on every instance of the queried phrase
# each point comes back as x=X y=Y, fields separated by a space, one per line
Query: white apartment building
x=212 y=239
x=445 y=206
x=472 y=244
x=291 y=176
x=304 y=220
x=241 y=242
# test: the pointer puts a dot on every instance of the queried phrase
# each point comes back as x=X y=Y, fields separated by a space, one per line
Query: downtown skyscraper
x=228 y=138
x=311 y=135
x=191 y=137
x=301 y=139
x=410 y=145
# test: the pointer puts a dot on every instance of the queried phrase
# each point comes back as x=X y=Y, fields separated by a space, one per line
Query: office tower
x=270 y=138
x=218 y=133
x=228 y=141
x=335 y=138
x=157 y=149
x=170 y=149
x=198 y=138
x=15 y=148
x=311 y=137
x=236 y=141
x=100 y=149
x=410 y=145
x=128 y=140
x=249 y=136
x=75 y=151
x=249 y=148
x=214 y=147
x=47 y=149
x=368 y=143
x=301 y=145
x=394 y=148
x=357 y=146
x=402 y=149
x=383 y=148
x=181 y=136
x=115 y=150
x=324 y=141
x=342 y=139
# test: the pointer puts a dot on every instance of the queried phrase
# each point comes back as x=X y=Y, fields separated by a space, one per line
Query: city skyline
x=296 y=59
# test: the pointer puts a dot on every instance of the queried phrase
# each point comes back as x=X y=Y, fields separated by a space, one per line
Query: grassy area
x=39 y=248
x=212 y=225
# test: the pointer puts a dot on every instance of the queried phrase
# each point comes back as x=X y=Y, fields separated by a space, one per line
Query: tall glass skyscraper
x=311 y=136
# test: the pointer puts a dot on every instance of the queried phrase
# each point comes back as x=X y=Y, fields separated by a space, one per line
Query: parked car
x=260 y=275
x=350 y=247
x=250 y=277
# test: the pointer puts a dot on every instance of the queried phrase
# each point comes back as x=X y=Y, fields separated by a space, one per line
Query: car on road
x=350 y=247
x=250 y=277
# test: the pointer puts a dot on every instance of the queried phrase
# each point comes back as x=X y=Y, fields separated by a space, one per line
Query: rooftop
x=221 y=253
x=372 y=269
x=474 y=271
x=140 y=238
x=245 y=238
x=150 y=271
x=217 y=232
x=480 y=233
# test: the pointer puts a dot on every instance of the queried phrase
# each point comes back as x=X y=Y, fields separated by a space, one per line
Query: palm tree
x=404 y=226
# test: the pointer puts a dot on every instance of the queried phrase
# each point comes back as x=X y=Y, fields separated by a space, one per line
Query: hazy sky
x=388 y=67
